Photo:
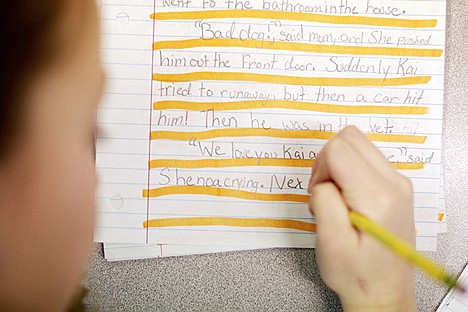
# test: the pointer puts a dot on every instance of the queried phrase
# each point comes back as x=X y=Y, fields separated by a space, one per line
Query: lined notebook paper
x=215 y=112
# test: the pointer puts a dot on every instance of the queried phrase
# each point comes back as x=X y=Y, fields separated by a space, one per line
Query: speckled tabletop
x=288 y=279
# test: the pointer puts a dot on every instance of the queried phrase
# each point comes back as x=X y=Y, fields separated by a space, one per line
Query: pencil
x=404 y=250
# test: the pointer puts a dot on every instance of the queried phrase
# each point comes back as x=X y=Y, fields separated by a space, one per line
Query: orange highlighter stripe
x=235 y=222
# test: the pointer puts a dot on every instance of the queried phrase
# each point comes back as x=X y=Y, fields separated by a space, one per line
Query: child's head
x=50 y=82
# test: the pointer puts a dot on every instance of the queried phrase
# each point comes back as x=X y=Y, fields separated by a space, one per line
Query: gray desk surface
x=288 y=279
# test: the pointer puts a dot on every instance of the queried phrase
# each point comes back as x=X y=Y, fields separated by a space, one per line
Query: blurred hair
x=27 y=45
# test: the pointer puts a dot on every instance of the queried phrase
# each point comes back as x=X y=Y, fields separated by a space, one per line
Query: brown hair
x=27 y=44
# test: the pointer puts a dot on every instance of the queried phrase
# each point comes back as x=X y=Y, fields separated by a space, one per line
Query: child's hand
x=350 y=173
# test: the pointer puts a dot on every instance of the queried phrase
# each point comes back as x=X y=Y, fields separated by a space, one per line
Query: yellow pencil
x=403 y=249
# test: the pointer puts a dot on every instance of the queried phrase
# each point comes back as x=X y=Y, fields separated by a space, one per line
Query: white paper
x=127 y=117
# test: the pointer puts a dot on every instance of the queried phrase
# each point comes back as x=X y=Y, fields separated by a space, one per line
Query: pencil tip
x=461 y=289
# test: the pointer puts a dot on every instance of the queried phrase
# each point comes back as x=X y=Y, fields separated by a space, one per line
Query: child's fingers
x=362 y=188
x=340 y=163
x=367 y=150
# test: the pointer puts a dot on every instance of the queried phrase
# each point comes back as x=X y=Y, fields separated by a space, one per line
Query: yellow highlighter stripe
x=291 y=80
x=223 y=192
x=402 y=249
x=277 y=133
x=253 y=162
x=440 y=216
x=230 y=162
x=296 y=46
x=236 y=222
x=296 y=16
x=305 y=106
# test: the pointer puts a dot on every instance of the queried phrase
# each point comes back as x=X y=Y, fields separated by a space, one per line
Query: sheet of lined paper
x=216 y=110
x=118 y=252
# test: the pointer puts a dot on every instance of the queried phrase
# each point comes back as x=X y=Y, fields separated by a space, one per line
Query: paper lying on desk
x=216 y=110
